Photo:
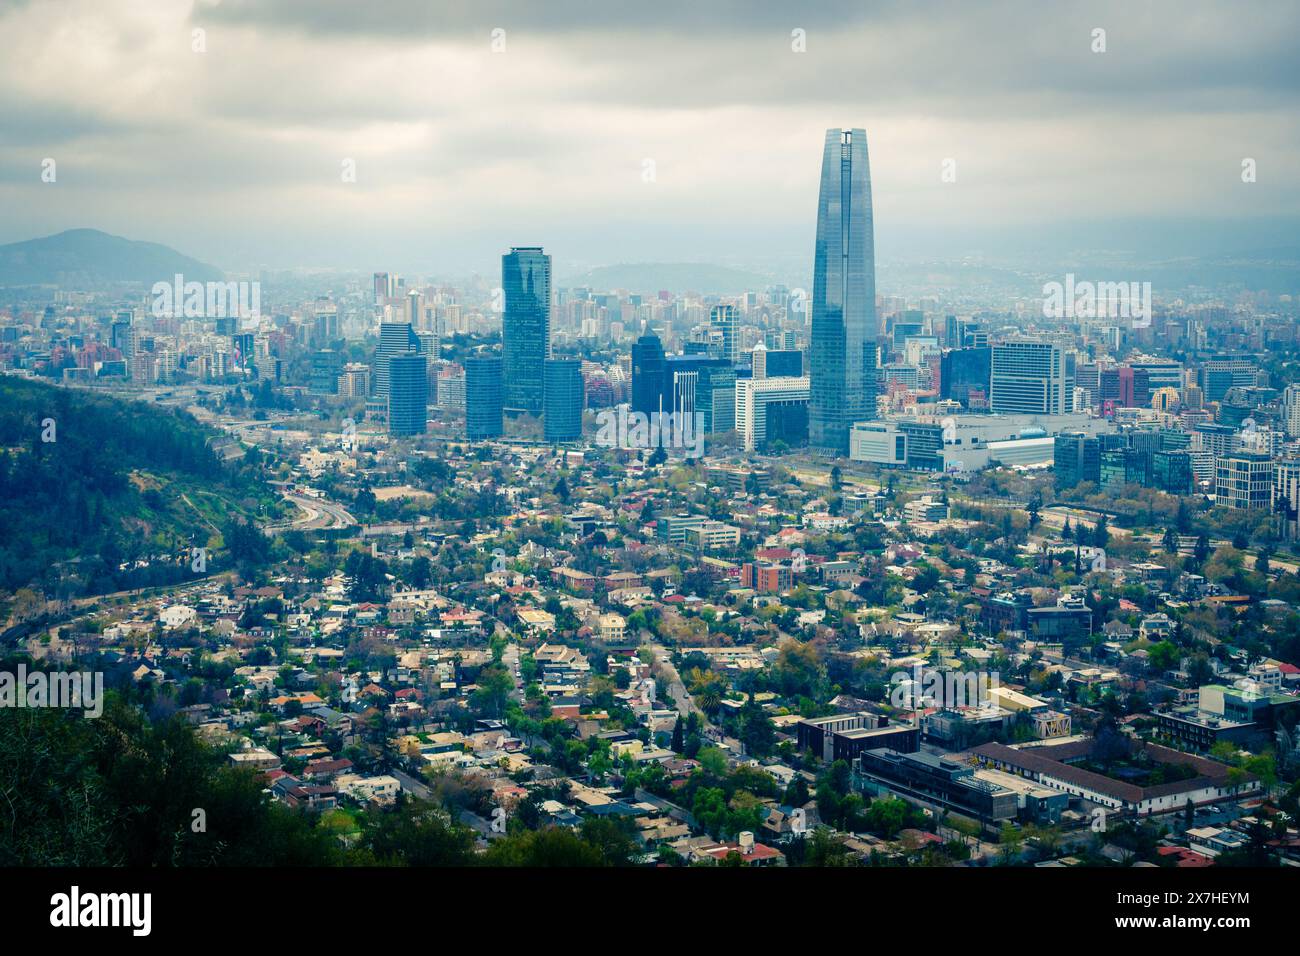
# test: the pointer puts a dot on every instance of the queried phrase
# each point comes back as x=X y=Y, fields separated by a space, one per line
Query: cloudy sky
x=636 y=132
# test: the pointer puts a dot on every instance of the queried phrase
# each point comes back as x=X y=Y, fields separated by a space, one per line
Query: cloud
x=235 y=153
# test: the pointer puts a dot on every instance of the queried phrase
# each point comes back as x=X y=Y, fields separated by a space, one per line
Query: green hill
x=117 y=497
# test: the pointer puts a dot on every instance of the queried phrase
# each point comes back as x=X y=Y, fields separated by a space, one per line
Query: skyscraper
x=647 y=374
x=724 y=317
x=395 y=338
x=408 y=394
x=483 y=397
x=526 y=325
x=562 y=418
x=844 y=326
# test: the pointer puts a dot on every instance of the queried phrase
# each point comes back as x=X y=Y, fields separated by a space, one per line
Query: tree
x=1201 y=552
x=1170 y=541
x=1101 y=533
x=417 y=833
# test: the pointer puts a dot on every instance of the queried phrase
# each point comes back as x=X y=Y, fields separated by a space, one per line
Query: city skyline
x=500 y=438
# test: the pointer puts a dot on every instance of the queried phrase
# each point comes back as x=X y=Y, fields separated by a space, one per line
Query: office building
x=771 y=410
x=1244 y=480
x=844 y=350
x=562 y=414
x=484 y=397
x=964 y=376
x=395 y=338
x=526 y=326
x=776 y=363
x=408 y=394
x=326 y=365
x=1029 y=376
x=1076 y=458
x=724 y=318
x=647 y=374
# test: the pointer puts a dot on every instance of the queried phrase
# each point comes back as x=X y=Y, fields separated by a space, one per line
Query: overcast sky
x=235 y=155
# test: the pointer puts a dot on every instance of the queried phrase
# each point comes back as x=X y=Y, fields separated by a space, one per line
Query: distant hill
x=87 y=257
x=649 y=277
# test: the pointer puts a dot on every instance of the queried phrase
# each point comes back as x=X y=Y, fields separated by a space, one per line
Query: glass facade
x=844 y=324
x=408 y=394
x=526 y=325
x=483 y=397
x=562 y=420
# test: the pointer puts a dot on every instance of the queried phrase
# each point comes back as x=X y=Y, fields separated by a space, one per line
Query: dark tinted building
x=562 y=415
x=526 y=326
x=484 y=397
x=408 y=394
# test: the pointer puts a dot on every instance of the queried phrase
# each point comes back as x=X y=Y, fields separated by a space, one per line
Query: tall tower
x=408 y=393
x=844 y=326
x=526 y=326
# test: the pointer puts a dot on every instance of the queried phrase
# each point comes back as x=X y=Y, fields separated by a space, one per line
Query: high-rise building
x=526 y=326
x=844 y=325
x=562 y=416
x=647 y=374
x=1030 y=376
x=326 y=364
x=963 y=374
x=1291 y=410
x=724 y=317
x=395 y=338
x=408 y=394
x=484 y=397
x=772 y=409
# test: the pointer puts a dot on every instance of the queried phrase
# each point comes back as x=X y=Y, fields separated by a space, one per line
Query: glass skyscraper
x=526 y=326
x=562 y=420
x=843 y=356
x=395 y=338
x=483 y=397
x=647 y=374
x=408 y=394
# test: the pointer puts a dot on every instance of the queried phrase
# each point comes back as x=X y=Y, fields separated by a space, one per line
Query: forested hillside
x=99 y=494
